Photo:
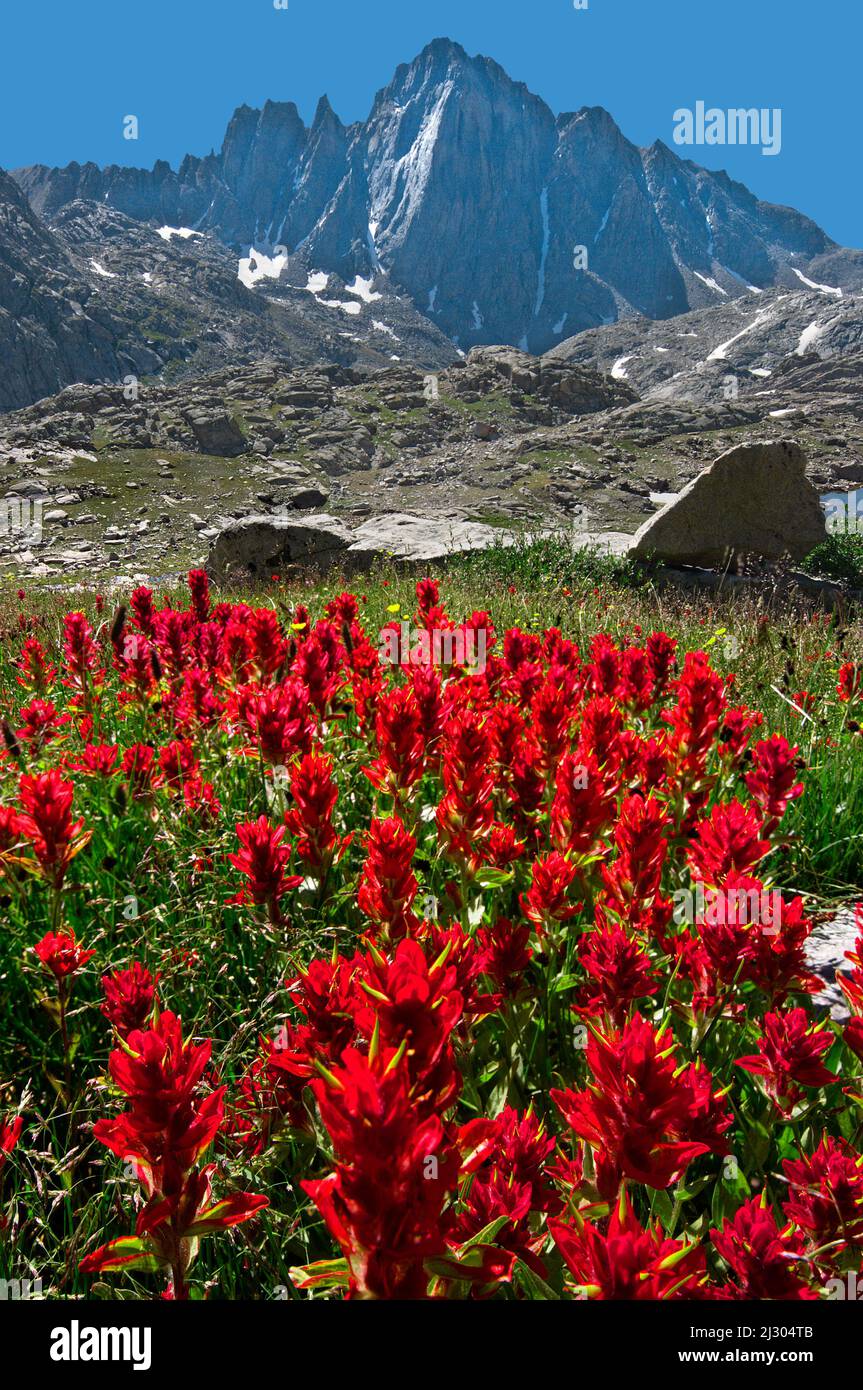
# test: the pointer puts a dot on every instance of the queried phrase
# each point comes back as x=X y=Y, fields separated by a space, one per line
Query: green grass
x=840 y=557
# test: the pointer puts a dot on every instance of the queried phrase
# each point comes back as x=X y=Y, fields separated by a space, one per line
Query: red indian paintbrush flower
x=696 y=718
x=141 y=604
x=178 y=762
x=10 y=1133
x=850 y=685
x=384 y=1202
x=661 y=659
x=505 y=954
x=130 y=997
x=728 y=841
x=583 y=805
x=400 y=742
x=262 y=858
x=765 y=1262
x=635 y=875
x=61 y=955
x=320 y=665
x=826 y=1192
x=42 y=723
x=83 y=672
x=278 y=720
x=465 y=816
x=624 y=1261
x=511 y=1184
x=161 y=1136
x=46 y=821
x=619 y=972
x=137 y=765
x=636 y=685
x=852 y=985
x=772 y=781
x=408 y=1003
x=388 y=885
x=315 y=793
x=35 y=672
x=789 y=1057
x=645 y=1116
x=199 y=588
x=547 y=902
x=98 y=760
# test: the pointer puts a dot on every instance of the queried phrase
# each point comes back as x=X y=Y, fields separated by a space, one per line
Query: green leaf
x=490 y=877
x=531 y=1284
x=324 y=1274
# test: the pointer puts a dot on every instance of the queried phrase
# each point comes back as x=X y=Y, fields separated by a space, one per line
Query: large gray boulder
x=265 y=544
x=216 y=432
x=419 y=539
x=261 y=545
x=755 y=499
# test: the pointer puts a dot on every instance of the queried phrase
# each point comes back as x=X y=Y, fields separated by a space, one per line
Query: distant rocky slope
x=98 y=296
x=53 y=328
x=142 y=487
x=738 y=346
x=470 y=197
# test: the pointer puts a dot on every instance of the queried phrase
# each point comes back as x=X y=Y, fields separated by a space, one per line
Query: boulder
x=265 y=544
x=419 y=539
x=216 y=433
x=755 y=499
x=260 y=545
x=303 y=499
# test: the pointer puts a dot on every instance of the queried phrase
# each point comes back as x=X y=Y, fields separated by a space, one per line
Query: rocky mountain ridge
x=500 y=222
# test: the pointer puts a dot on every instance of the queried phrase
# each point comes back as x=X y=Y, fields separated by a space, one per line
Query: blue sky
x=74 y=70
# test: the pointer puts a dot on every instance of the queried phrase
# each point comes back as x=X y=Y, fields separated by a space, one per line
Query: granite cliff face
x=52 y=328
x=500 y=222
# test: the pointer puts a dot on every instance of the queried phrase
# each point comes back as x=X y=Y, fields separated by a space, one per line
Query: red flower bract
x=262 y=859
x=645 y=1118
x=46 y=821
x=161 y=1136
x=61 y=955
x=384 y=1202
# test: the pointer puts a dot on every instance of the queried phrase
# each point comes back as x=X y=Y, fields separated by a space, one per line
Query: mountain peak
x=324 y=114
x=442 y=50
x=464 y=189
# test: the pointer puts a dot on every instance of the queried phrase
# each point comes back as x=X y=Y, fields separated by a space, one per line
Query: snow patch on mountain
x=167 y=232
x=813 y=285
x=710 y=283
x=618 y=371
x=351 y=307
x=809 y=336
x=363 y=290
x=719 y=353
x=256 y=266
x=604 y=223
x=372 y=243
